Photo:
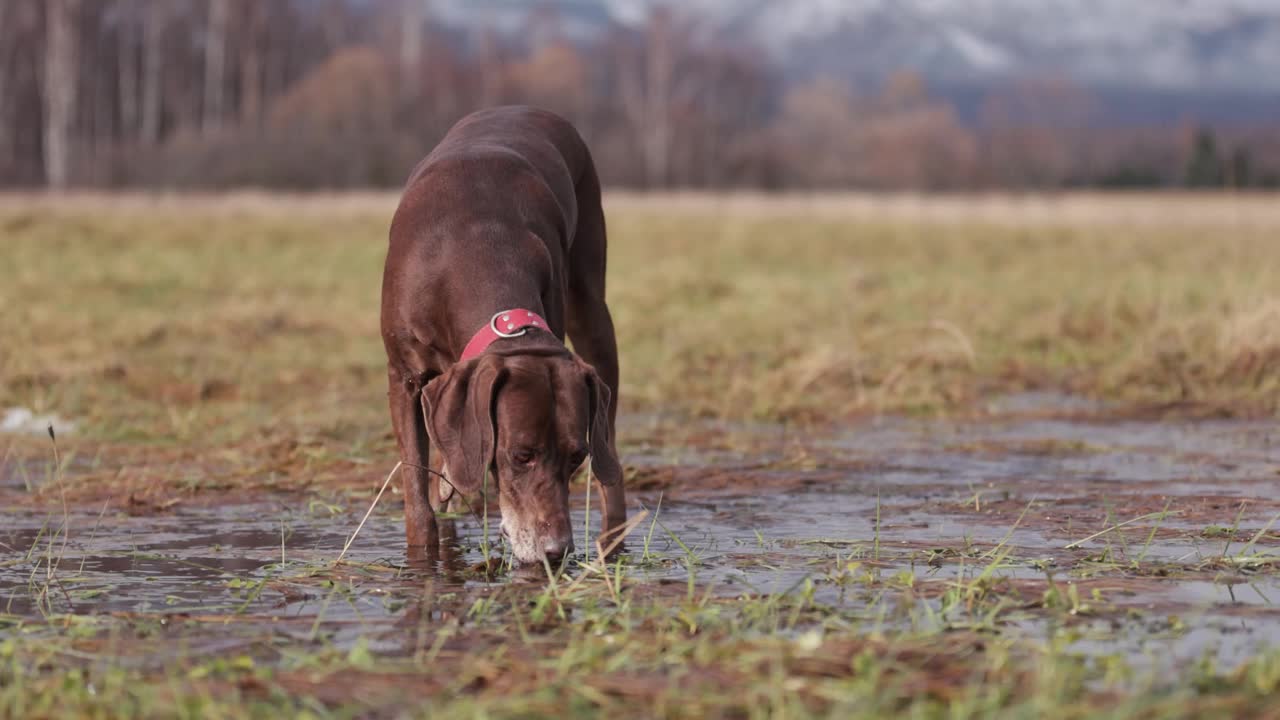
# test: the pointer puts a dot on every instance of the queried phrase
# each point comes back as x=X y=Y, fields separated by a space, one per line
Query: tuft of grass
x=580 y=646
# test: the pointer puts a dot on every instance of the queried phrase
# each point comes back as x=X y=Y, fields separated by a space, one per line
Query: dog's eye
x=524 y=456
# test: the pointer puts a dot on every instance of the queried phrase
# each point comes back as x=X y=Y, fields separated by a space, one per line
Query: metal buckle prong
x=493 y=324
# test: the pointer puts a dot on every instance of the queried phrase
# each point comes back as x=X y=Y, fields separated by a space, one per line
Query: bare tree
x=726 y=119
x=659 y=77
x=646 y=85
x=96 y=91
x=21 y=122
x=215 y=52
x=412 y=21
x=60 y=84
x=7 y=10
x=817 y=134
x=554 y=77
x=336 y=24
x=155 y=20
x=492 y=68
x=251 y=65
x=127 y=56
x=1034 y=129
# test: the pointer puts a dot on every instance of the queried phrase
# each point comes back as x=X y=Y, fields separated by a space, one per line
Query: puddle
x=188 y=561
x=1041 y=402
x=896 y=502
x=18 y=474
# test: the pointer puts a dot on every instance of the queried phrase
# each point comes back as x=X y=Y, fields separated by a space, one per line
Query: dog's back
x=489 y=216
x=511 y=164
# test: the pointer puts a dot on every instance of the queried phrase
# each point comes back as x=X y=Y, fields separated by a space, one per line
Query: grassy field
x=223 y=351
x=136 y=315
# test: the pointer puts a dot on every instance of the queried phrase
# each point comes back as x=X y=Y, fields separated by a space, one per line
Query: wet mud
x=1156 y=541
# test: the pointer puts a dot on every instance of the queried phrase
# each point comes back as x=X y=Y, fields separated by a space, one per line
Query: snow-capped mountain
x=1155 y=45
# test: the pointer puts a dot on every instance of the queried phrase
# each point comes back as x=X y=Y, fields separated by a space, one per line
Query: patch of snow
x=979 y=53
x=22 y=421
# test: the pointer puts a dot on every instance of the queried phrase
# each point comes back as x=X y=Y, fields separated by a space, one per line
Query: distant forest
x=351 y=93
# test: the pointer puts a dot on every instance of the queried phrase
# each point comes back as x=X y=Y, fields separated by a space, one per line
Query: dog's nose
x=557 y=548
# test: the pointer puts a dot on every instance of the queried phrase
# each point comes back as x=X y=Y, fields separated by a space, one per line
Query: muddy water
x=18 y=475
x=859 y=514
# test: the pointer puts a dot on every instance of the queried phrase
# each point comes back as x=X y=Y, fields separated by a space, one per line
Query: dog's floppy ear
x=459 y=408
x=604 y=459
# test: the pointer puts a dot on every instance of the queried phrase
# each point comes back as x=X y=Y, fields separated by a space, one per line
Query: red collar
x=507 y=323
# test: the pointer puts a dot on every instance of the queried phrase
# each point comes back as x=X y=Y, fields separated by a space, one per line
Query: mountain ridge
x=1169 y=46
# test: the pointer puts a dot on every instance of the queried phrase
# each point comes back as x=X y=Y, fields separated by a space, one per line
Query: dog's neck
x=534 y=342
x=506 y=328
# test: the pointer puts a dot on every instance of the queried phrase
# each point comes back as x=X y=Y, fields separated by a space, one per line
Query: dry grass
x=780 y=311
x=240 y=330
x=1075 y=209
x=215 y=317
x=1055 y=209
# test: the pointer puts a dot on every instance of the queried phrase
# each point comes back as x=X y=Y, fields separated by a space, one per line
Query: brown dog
x=498 y=248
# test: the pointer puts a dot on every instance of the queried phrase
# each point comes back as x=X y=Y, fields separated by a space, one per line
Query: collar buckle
x=514 y=328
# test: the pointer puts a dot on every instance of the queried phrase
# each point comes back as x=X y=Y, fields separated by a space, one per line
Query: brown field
x=930 y=456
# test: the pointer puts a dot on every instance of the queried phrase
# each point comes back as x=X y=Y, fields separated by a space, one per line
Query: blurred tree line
x=351 y=93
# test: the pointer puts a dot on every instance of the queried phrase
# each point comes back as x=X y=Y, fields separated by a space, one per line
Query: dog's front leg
x=591 y=329
x=411 y=435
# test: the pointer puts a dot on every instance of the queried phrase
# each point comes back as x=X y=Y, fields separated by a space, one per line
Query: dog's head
x=523 y=423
